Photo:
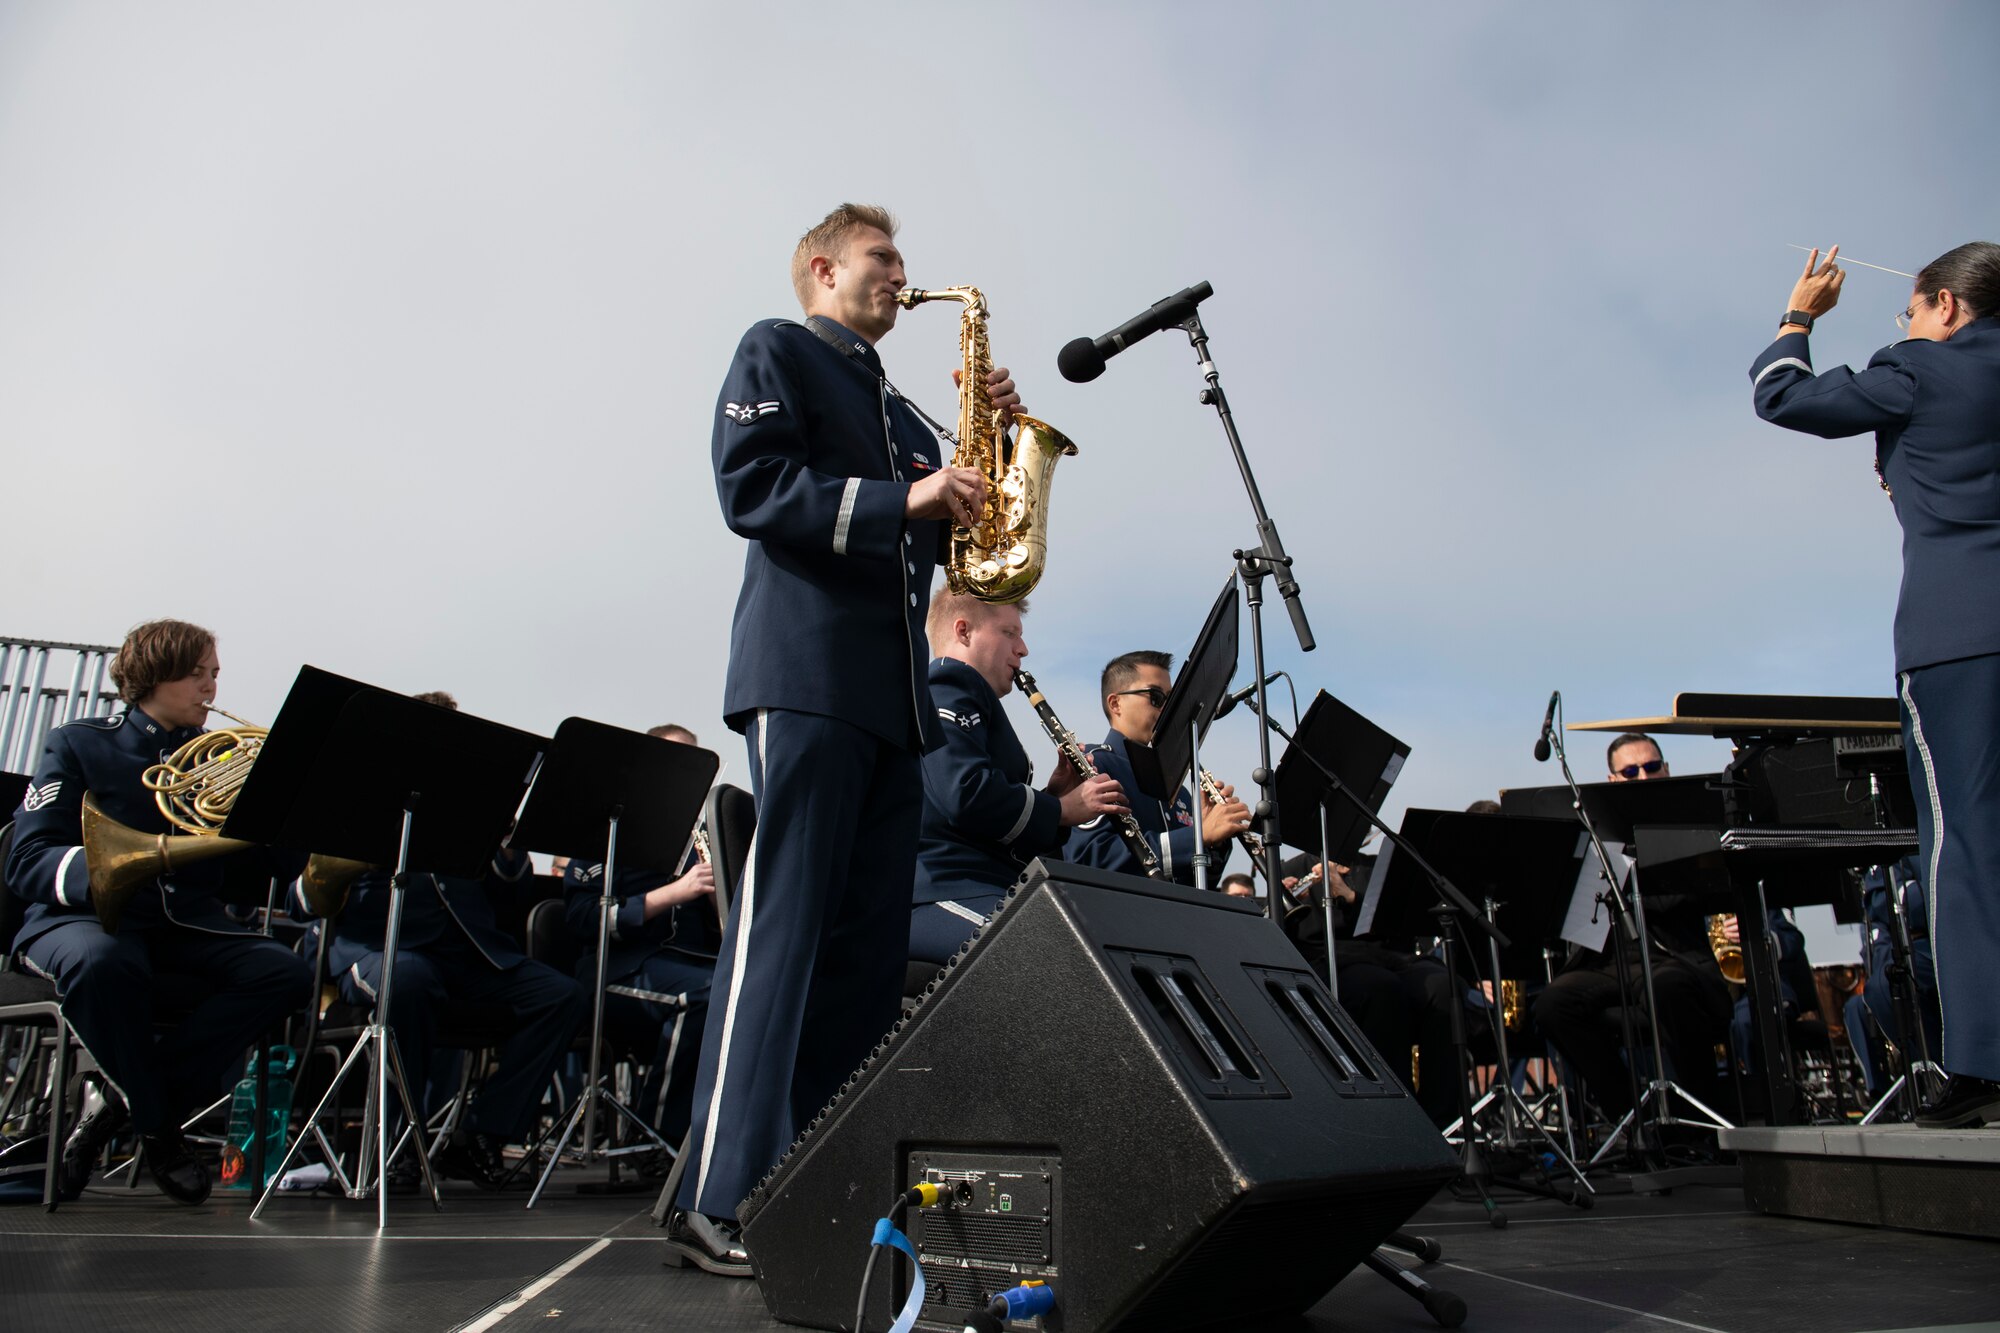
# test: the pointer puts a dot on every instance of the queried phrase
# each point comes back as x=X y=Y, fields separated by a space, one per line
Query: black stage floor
x=1691 y=1260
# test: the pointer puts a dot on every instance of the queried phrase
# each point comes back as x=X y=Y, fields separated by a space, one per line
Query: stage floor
x=1696 y=1259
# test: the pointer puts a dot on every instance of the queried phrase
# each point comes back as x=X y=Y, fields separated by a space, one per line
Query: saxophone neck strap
x=826 y=334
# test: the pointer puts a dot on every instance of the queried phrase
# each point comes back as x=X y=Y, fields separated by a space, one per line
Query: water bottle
x=241 y=1139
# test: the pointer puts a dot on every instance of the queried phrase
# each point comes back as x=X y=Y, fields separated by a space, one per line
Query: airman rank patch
x=36 y=797
x=967 y=721
x=745 y=413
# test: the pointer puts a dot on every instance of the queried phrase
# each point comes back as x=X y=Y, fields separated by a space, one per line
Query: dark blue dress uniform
x=449 y=946
x=814 y=458
x=672 y=956
x=983 y=817
x=1172 y=827
x=1935 y=410
x=174 y=929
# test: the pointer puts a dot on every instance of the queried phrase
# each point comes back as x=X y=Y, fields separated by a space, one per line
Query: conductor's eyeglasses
x=1651 y=768
x=1154 y=695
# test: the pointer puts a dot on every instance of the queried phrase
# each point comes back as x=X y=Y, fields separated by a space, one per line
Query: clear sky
x=386 y=336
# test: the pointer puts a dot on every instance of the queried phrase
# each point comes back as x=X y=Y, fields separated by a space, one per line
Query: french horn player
x=172 y=930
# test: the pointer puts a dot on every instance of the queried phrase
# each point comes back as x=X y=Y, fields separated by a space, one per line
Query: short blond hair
x=830 y=238
x=948 y=607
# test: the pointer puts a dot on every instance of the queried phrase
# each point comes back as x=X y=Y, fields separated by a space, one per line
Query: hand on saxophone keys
x=1000 y=390
x=955 y=494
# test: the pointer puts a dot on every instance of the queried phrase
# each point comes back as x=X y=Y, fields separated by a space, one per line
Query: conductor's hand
x=1100 y=795
x=999 y=389
x=1223 y=820
x=694 y=884
x=1818 y=288
x=955 y=494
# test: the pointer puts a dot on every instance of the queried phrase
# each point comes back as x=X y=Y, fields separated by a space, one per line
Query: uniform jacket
x=434 y=907
x=1935 y=411
x=983 y=817
x=1172 y=828
x=688 y=928
x=814 y=459
x=105 y=756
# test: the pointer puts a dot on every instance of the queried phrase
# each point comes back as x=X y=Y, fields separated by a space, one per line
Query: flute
x=1134 y=837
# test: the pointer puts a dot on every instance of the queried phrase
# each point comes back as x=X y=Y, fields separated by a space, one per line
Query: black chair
x=29 y=1002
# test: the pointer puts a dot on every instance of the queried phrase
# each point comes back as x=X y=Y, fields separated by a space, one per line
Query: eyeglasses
x=1651 y=768
x=1903 y=320
x=1154 y=695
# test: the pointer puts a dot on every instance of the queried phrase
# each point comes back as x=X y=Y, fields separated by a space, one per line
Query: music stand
x=591 y=777
x=1174 y=755
x=13 y=786
x=467 y=776
x=1527 y=866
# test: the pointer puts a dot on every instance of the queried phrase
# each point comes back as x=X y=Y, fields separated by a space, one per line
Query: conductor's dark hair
x=1971 y=273
x=1630 y=738
x=1122 y=670
x=1486 y=806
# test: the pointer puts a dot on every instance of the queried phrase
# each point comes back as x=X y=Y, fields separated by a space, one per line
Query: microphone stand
x=1267 y=559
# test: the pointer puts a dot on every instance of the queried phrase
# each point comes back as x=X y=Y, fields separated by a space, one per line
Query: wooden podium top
x=1762 y=714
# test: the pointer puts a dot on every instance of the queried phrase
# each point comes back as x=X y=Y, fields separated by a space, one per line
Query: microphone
x=1548 y=720
x=1082 y=360
x=1229 y=701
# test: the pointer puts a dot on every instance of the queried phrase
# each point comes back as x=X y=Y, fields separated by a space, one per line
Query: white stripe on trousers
x=746 y=909
x=1937 y=835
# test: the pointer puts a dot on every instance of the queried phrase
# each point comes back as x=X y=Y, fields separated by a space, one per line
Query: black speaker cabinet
x=1136 y=1093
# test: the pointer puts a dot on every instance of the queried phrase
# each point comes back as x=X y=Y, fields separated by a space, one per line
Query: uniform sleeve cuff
x=73 y=879
x=870 y=521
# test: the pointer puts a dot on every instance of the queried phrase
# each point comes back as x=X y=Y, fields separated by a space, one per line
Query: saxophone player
x=983 y=817
x=1133 y=690
x=840 y=492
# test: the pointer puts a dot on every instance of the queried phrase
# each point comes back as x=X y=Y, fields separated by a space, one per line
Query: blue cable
x=887 y=1234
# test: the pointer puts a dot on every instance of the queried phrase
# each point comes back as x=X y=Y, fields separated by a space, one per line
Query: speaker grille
x=1022 y=1240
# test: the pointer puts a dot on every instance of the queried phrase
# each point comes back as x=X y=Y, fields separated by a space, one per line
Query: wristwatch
x=1798 y=317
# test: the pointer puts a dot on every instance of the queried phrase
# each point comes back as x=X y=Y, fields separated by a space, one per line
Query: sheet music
x=1577 y=926
x=1372 y=895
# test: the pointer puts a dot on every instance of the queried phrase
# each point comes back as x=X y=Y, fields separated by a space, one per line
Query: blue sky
x=426 y=306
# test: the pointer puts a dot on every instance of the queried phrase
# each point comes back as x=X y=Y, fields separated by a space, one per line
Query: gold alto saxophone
x=1135 y=839
x=1000 y=557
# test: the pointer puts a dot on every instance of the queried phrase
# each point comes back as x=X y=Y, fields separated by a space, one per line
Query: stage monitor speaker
x=1136 y=1093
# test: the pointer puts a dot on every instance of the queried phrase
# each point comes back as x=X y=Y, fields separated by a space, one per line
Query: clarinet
x=1135 y=838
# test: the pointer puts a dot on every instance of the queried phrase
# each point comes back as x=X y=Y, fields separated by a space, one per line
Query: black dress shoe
x=1965 y=1102
x=705 y=1243
x=180 y=1174
x=87 y=1141
x=473 y=1156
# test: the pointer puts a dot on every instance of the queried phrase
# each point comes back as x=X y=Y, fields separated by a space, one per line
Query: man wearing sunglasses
x=1134 y=689
x=1695 y=1005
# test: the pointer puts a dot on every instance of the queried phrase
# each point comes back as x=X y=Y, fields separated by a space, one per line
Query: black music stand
x=1526 y=866
x=1333 y=739
x=13 y=786
x=1196 y=700
x=466 y=775
x=592 y=777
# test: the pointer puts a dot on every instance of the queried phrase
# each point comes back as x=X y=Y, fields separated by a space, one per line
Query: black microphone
x=1548 y=720
x=1083 y=360
x=1229 y=701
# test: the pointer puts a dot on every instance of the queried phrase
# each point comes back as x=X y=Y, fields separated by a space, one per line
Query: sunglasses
x=1651 y=768
x=1154 y=695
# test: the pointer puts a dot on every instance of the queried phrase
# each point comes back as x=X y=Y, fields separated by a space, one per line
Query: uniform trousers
x=1694 y=1014
x=810 y=975
x=548 y=1009
x=1951 y=732
x=667 y=1034
x=242 y=987
x=939 y=930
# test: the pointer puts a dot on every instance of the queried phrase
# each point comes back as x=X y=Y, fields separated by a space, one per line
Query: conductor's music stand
x=593 y=776
x=465 y=773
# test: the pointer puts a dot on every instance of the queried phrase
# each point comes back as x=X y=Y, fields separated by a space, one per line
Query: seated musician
x=1871 y=1016
x=983 y=817
x=1398 y=997
x=1795 y=981
x=174 y=929
x=1238 y=884
x=1694 y=1000
x=451 y=946
x=664 y=938
x=1132 y=691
